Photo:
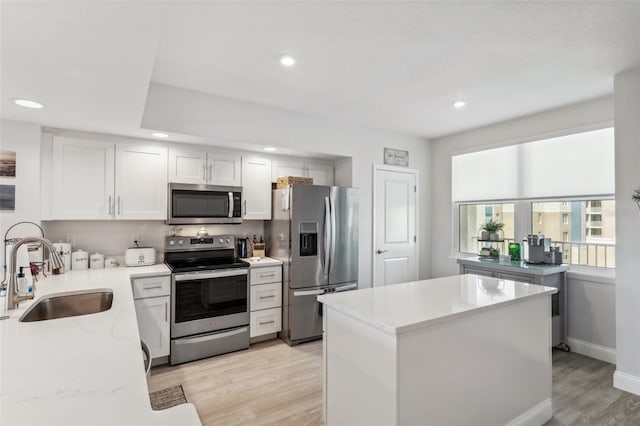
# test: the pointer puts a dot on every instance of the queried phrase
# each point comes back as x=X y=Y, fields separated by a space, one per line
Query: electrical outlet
x=135 y=240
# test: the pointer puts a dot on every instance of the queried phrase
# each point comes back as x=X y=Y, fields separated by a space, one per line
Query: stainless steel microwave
x=202 y=204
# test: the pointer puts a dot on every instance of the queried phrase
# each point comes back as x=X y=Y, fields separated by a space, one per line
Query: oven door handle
x=211 y=274
x=210 y=336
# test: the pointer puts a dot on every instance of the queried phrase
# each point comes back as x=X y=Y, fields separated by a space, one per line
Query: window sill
x=589 y=273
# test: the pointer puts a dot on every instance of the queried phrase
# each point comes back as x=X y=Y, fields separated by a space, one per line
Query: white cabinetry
x=322 y=173
x=265 y=300
x=152 y=301
x=256 y=188
x=102 y=180
x=83 y=176
x=204 y=167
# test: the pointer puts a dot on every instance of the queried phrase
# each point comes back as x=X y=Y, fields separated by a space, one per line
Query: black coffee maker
x=243 y=247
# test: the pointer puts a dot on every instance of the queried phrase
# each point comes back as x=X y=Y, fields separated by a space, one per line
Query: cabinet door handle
x=166 y=312
x=268 y=297
x=204 y=171
x=267 y=322
x=210 y=173
x=110 y=205
x=273 y=274
x=153 y=287
x=119 y=205
x=245 y=208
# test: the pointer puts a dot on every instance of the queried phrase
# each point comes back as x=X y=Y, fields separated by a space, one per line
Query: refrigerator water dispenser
x=308 y=238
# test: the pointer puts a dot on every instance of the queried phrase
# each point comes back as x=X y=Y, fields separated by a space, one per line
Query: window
x=590 y=241
x=473 y=216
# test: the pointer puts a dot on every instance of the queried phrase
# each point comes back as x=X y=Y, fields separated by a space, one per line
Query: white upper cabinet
x=82 y=186
x=102 y=180
x=256 y=188
x=187 y=166
x=204 y=167
x=141 y=182
x=321 y=172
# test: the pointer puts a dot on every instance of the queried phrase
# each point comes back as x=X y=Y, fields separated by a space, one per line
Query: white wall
x=24 y=139
x=591 y=316
x=234 y=122
x=627 y=131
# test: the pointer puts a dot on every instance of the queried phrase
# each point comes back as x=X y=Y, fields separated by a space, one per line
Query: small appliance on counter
x=243 y=248
x=537 y=249
x=140 y=256
x=64 y=250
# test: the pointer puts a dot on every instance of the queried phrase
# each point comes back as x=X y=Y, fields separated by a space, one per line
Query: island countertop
x=398 y=308
x=83 y=370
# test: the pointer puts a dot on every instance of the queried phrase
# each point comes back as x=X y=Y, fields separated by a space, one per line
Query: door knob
x=382 y=251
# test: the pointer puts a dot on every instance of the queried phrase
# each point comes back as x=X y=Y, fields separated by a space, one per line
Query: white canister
x=79 y=260
x=110 y=262
x=96 y=261
x=64 y=250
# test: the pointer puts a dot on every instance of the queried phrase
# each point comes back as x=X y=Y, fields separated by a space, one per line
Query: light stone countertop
x=83 y=370
x=266 y=261
x=399 y=308
x=514 y=266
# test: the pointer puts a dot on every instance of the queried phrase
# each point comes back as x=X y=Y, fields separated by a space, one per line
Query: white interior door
x=395 y=234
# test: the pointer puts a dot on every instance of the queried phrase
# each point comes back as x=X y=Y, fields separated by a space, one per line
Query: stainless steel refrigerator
x=314 y=230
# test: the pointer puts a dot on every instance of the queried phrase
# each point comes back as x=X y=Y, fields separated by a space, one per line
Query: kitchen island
x=82 y=370
x=459 y=350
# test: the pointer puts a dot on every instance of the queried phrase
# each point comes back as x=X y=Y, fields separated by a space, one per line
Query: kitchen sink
x=69 y=304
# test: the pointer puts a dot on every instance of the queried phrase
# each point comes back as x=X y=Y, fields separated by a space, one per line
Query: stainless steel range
x=209 y=297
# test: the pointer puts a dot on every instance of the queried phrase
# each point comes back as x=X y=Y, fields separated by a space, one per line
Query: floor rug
x=167 y=398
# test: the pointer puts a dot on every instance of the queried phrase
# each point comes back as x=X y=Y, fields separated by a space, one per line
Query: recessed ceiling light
x=287 y=61
x=159 y=135
x=27 y=103
x=270 y=148
x=459 y=104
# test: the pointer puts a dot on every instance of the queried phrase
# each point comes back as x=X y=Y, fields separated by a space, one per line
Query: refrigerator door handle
x=308 y=293
x=327 y=234
x=333 y=236
x=346 y=287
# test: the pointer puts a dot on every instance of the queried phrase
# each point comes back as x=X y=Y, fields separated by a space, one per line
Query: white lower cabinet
x=265 y=300
x=153 y=313
x=265 y=322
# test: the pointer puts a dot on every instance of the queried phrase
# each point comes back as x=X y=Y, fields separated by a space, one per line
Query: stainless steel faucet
x=13 y=296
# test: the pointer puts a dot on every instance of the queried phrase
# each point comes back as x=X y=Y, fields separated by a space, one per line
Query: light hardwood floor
x=272 y=383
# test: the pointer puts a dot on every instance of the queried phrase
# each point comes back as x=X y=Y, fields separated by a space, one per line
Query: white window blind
x=581 y=164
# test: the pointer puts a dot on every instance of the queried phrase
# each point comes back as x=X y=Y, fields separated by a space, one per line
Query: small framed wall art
x=396 y=157
x=7 y=163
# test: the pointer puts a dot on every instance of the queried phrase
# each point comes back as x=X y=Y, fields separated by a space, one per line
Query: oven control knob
x=221 y=240
x=180 y=242
x=171 y=242
x=228 y=240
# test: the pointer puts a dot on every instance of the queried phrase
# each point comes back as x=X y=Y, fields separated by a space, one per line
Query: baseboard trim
x=536 y=416
x=592 y=350
x=626 y=382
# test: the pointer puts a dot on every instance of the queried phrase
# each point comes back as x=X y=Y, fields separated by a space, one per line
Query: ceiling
x=393 y=65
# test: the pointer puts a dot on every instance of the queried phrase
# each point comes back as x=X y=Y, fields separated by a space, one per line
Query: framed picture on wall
x=7 y=198
x=7 y=164
x=396 y=157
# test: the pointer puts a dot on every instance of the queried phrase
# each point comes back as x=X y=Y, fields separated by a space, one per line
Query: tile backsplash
x=112 y=237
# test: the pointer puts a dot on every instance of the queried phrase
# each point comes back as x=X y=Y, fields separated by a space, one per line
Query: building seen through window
x=585 y=230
